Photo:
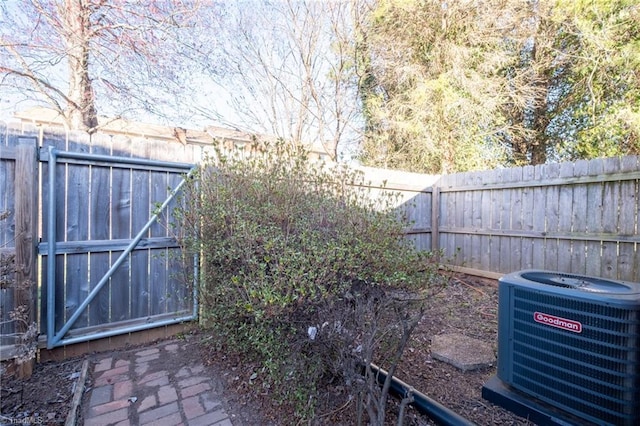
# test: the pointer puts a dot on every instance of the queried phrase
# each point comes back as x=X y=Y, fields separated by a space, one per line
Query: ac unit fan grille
x=594 y=373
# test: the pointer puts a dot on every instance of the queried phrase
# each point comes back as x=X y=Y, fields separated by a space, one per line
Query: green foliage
x=600 y=113
x=434 y=106
x=458 y=86
x=283 y=243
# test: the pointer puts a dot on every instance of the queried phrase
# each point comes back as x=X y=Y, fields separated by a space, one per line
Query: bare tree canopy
x=282 y=68
x=120 y=57
x=288 y=69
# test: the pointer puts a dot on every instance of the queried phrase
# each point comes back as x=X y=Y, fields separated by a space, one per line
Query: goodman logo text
x=558 y=322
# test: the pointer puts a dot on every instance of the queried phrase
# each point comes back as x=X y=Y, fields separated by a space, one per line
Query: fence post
x=435 y=221
x=26 y=232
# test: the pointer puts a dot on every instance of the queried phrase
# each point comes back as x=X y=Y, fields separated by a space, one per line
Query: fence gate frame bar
x=56 y=339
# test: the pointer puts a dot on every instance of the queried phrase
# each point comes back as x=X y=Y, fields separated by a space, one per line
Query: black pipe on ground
x=436 y=411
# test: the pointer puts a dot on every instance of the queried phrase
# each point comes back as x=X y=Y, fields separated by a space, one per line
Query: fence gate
x=110 y=263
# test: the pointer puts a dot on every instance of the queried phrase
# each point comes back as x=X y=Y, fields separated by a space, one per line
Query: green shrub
x=291 y=249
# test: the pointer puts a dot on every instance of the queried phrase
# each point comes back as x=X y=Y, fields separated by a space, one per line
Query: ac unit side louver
x=568 y=349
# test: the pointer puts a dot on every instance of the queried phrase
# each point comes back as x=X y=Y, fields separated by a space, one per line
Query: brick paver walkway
x=153 y=386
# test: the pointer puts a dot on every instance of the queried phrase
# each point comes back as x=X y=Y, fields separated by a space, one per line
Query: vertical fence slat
x=158 y=257
x=476 y=223
x=435 y=220
x=423 y=219
x=594 y=208
x=77 y=229
x=8 y=224
x=58 y=139
x=527 y=221
x=121 y=201
x=485 y=222
x=552 y=216
x=447 y=220
x=579 y=219
x=539 y=224
x=100 y=223
x=7 y=240
x=496 y=217
x=462 y=214
x=565 y=207
x=628 y=220
x=505 y=223
x=515 y=221
x=141 y=212
x=466 y=217
x=173 y=293
x=7 y=203
x=610 y=225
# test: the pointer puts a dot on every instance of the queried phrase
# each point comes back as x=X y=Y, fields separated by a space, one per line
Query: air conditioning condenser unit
x=568 y=349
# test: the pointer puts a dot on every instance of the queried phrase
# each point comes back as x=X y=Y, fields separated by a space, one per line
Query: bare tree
x=288 y=69
x=78 y=56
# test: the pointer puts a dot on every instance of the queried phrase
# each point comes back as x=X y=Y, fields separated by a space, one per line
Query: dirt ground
x=468 y=306
x=45 y=398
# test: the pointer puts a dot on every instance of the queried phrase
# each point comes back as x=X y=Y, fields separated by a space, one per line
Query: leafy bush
x=303 y=269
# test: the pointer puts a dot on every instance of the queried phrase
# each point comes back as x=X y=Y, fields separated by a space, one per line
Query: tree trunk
x=538 y=147
x=530 y=147
x=81 y=110
x=520 y=151
x=540 y=119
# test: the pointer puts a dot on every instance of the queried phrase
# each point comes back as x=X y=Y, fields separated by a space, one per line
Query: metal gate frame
x=57 y=339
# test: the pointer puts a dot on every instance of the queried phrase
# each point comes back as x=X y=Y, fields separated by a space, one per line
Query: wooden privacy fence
x=572 y=217
x=577 y=218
